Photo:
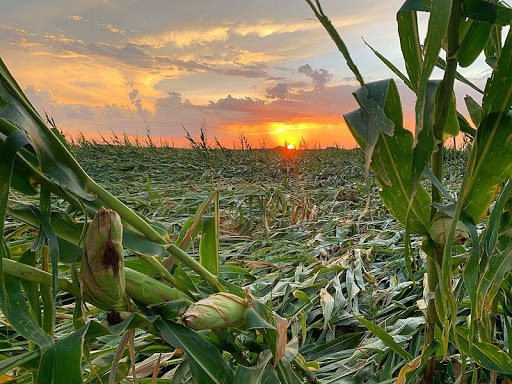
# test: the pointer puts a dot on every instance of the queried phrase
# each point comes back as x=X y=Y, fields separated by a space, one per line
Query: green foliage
x=463 y=29
x=391 y=153
x=53 y=203
x=333 y=298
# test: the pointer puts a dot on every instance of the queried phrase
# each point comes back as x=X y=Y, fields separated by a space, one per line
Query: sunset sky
x=263 y=68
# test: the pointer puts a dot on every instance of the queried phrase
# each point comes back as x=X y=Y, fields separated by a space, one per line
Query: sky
x=261 y=70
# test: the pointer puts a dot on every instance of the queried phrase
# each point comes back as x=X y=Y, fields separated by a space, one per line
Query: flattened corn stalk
x=136 y=284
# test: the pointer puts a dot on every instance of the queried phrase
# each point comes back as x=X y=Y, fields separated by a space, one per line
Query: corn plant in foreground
x=465 y=268
x=119 y=262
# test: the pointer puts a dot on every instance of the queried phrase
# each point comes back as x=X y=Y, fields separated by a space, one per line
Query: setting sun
x=290 y=146
x=303 y=132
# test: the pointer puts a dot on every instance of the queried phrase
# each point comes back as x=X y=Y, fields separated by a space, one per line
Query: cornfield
x=150 y=264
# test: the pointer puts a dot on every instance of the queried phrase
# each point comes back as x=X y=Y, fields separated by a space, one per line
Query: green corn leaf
x=415 y=367
x=498 y=92
x=340 y=344
x=417 y=5
x=446 y=304
x=254 y=374
x=375 y=118
x=188 y=233
x=31 y=288
x=271 y=338
x=474 y=41
x=481 y=10
x=490 y=236
x=209 y=245
x=474 y=109
x=253 y=320
x=28 y=174
x=53 y=244
x=472 y=271
x=232 y=272
x=23 y=359
x=465 y=127
x=373 y=111
x=392 y=158
x=492 y=50
x=492 y=147
x=23 y=179
x=437 y=26
x=184 y=279
x=333 y=33
x=499 y=264
x=385 y=337
x=488 y=356
x=493 y=164
x=192 y=226
x=419 y=70
x=133 y=321
x=8 y=149
x=206 y=362
x=496 y=42
x=451 y=125
x=171 y=310
x=286 y=373
x=26 y=272
x=14 y=307
x=441 y=63
x=391 y=66
x=410 y=44
x=62 y=362
x=488 y=11
x=429 y=175
x=425 y=142
x=69 y=253
x=270 y=376
x=12 y=299
x=503 y=15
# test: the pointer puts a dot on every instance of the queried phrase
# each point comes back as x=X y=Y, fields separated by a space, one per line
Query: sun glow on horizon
x=321 y=130
x=304 y=132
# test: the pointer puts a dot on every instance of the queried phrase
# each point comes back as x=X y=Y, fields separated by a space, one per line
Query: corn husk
x=440 y=227
x=145 y=289
x=102 y=272
x=219 y=310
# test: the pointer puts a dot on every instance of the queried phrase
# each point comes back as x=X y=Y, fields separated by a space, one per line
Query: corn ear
x=440 y=227
x=219 y=310
x=102 y=272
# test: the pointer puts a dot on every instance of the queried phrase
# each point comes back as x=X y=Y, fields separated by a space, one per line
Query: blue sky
x=264 y=68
